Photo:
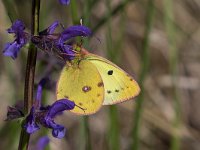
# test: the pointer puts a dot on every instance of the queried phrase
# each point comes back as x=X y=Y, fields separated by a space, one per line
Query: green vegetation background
x=156 y=41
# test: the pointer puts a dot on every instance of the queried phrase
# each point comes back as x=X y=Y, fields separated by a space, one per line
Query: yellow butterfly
x=92 y=81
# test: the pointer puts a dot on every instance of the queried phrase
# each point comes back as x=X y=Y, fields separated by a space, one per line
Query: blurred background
x=155 y=41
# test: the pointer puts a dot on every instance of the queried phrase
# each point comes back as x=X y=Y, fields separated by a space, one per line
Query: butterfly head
x=79 y=54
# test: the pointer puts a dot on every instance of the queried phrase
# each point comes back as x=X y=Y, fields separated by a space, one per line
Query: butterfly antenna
x=81 y=42
x=69 y=54
x=81 y=21
x=62 y=26
x=98 y=39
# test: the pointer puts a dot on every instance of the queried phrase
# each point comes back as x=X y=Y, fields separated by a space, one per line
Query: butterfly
x=92 y=81
x=87 y=79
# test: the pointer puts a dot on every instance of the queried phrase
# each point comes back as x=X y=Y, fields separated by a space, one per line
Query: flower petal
x=13 y=113
x=58 y=130
x=42 y=143
x=66 y=51
x=17 y=26
x=50 y=29
x=39 y=92
x=60 y=106
x=75 y=31
x=64 y=2
x=30 y=125
x=53 y=110
x=21 y=38
x=11 y=49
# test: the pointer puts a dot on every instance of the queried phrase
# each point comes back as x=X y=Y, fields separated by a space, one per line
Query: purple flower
x=45 y=115
x=42 y=143
x=50 y=29
x=64 y=2
x=21 y=38
x=31 y=125
x=14 y=113
x=69 y=33
x=74 y=31
x=57 y=42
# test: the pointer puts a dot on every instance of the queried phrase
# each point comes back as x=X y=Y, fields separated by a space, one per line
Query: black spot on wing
x=86 y=89
x=108 y=91
x=110 y=72
x=116 y=91
x=98 y=95
x=100 y=84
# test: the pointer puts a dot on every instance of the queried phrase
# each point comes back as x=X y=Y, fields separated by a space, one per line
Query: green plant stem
x=74 y=12
x=113 y=54
x=85 y=134
x=144 y=71
x=30 y=74
x=113 y=133
x=173 y=65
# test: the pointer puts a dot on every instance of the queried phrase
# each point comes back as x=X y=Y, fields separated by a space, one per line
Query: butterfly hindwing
x=83 y=85
x=119 y=86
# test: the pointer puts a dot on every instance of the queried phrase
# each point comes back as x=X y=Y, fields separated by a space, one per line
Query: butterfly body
x=92 y=81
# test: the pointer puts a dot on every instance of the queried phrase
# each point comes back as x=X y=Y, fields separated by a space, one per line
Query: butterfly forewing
x=119 y=86
x=82 y=84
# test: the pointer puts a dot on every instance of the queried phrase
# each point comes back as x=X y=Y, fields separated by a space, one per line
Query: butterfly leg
x=81 y=107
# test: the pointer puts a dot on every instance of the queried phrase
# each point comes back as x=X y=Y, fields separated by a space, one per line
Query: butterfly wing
x=119 y=86
x=83 y=85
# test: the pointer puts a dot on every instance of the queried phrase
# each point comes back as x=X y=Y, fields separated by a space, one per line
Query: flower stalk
x=30 y=73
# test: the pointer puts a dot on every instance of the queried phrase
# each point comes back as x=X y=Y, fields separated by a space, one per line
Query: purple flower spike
x=55 y=109
x=75 y=31
x=31 y=125
x=64 y=2
x=21 y=38
x=45 y=115
x=42 y=143
x=58 y=43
